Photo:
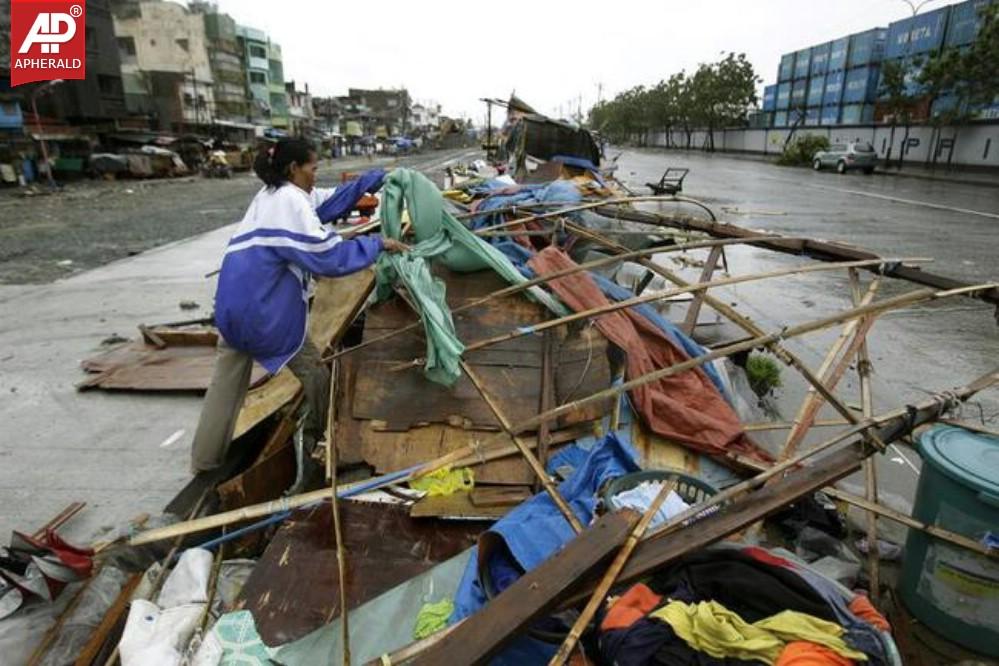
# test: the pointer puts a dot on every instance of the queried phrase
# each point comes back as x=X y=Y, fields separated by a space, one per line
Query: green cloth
x=432 y=618
x=440 y=236
x=713 y=629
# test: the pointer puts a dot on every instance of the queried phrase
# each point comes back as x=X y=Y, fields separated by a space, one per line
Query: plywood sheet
x=293 y=589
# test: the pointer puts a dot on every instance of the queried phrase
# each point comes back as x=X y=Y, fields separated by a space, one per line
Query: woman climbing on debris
x=262 y=297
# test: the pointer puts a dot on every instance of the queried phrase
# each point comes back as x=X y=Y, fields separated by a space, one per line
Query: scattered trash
x=189 y=305
x=887 y=551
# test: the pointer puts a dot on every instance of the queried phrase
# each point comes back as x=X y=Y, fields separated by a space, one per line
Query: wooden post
x=341 y=555
x=546 y=400
x=593 y=605
x=870 y=471
x=694 y=309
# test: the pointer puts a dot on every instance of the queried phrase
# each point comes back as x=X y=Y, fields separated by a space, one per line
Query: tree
x=898 y=101
x=725 y=91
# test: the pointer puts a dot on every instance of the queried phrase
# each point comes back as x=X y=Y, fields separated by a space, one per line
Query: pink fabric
x=686 y=407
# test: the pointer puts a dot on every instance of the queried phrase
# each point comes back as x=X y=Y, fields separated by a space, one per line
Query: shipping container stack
x=911 y=42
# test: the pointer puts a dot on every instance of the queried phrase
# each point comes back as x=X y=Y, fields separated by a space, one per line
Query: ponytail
x=273 y=163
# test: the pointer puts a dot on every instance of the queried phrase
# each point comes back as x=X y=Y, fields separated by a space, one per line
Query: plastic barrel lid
x=965 y=456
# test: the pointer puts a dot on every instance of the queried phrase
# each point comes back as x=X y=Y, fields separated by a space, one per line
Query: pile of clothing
x=731 y=605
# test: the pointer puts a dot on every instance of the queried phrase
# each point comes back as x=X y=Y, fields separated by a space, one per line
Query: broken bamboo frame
x=830 y=372
x=694 y=309
x=524 y=286
x=467 y=452
x=817 y=249
x=787 y=425
x=934 y=531
x=870 y=471
x=593 y=605
x=784 y=354
x=662 y=295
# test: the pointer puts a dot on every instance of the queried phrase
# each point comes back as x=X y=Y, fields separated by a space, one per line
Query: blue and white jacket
x=261 y=303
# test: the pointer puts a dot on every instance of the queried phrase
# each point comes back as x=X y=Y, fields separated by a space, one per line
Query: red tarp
x=686 y=407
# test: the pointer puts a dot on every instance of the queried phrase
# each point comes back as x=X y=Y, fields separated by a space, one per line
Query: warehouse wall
x=969 y=145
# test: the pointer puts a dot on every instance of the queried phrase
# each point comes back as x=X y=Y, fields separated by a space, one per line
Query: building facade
x=840 y=82
x=380 y=113
x=252 y=44
x=276 y=93
x=166 y=71
x=226 y=62
x=301 y=117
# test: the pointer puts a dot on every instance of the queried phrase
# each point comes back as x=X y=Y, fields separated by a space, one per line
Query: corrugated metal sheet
x=770 y=98
x=802 y=62
x=866 y=48
x=861 y=85
x=834 y=89
x=965 y=19
x=816 y=90
x=837 y=54
x=783 y=96
x=820 y=59
x=786 y=70
x=923 y=33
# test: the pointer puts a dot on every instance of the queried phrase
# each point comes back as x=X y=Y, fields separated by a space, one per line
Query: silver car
x=847 y=156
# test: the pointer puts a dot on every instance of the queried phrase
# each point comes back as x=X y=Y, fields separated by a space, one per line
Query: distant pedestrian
x=261 y=302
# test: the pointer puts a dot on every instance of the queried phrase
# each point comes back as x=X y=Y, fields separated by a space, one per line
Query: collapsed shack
x=534 y=451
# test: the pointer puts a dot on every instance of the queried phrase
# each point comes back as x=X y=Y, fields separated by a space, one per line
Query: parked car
x=847 y=156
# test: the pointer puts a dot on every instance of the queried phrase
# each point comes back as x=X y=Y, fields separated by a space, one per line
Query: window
x=126 y=47
x=188 y=99
x=184 y=44
x=258 y=78
x=91 y=39
x=257 y=52
x=9 y=108
x=152 y=42
x=863 y=148
x=109 y=85
x=392 y=102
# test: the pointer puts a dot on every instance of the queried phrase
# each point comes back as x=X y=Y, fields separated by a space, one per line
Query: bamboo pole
x=830 y=373
x=936 y=532
x=473 y=454
x=669 y=293
x=341 y=555
x=524 y=286
x=785 y=355
x=529 y=456
x=605 y=584
x=694 y=309
x=870 y=471
x=787 y=425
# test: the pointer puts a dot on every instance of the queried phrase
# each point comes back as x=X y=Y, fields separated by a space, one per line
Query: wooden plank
x=489 y=496
x=694 y=309
x=457 y=506
x=292 y=590
x=262 y=401
x=535 y=593
x=205 y=336
x=336 y=303
x=547 y=380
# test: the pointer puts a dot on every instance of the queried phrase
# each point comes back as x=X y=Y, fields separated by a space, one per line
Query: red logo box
x=48 y=40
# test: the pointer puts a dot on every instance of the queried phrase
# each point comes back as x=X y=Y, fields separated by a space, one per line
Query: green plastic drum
x=953 y=591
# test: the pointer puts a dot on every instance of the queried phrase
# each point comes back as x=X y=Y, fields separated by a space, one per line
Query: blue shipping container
x=856 y=114
x=770 y=98
x=783 y=95
x=830 y=115
x=834 y=89
x=861 y=85
x=799 y=92
x=965 y=19
x=837 y=54
x=943 y=104
x=786 y=71
x=816 y=90
x=802 y=61
x=866 y=48
x=813 y=116
x=923 y=33
x=820 y=59
x=780 y=119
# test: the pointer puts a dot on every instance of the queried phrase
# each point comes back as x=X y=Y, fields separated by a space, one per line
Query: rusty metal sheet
x=293 y=589
x=141 y=367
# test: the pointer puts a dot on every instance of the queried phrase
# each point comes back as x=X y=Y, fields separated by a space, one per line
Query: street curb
x=939 y=179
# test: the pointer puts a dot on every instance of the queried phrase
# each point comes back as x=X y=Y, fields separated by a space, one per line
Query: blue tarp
x=557 y=191
x=347 y=195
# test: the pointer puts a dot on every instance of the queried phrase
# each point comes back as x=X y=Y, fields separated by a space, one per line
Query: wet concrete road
x=915 y=351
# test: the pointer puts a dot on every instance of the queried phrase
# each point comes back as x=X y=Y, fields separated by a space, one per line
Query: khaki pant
x=226 y=393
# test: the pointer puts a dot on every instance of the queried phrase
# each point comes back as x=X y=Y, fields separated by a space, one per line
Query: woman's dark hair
x=273 y=163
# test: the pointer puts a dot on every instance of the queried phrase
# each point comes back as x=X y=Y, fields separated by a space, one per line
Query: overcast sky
x=549 y=52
